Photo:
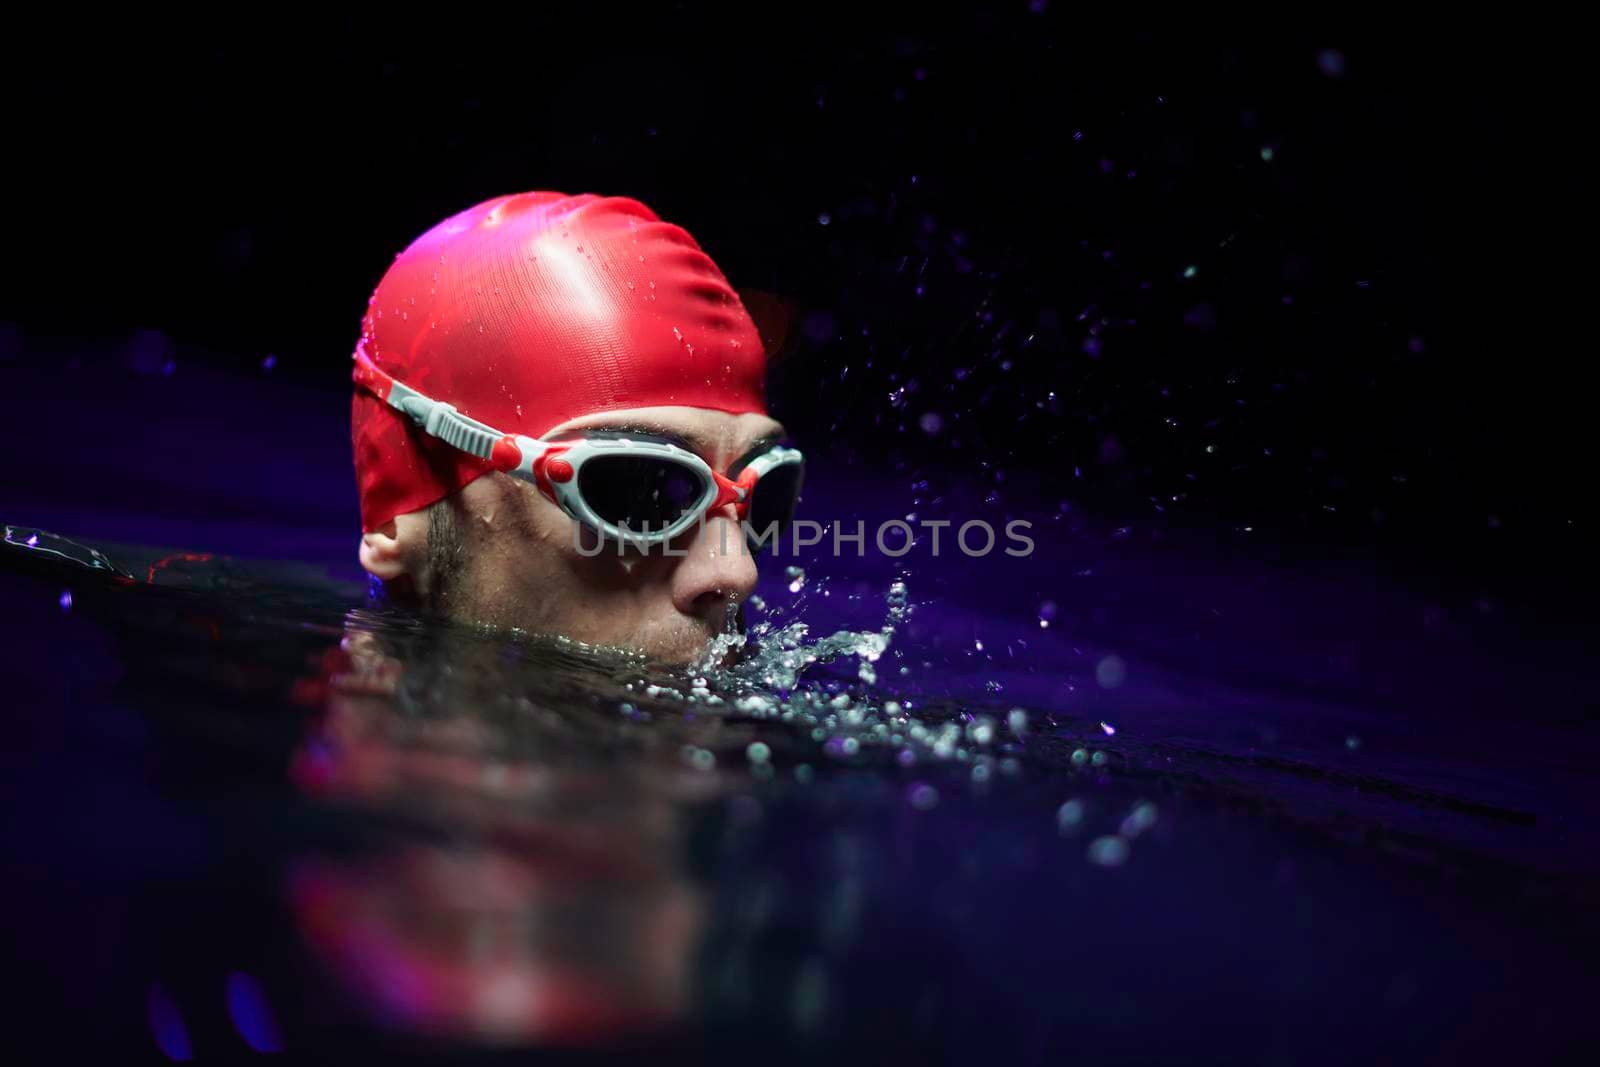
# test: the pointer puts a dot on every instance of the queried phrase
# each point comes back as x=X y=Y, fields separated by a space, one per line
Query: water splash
x=765 y=681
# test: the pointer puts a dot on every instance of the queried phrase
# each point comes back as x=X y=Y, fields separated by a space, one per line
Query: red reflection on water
x=543 y=903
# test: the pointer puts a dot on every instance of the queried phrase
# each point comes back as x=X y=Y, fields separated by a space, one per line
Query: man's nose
x=718 y=569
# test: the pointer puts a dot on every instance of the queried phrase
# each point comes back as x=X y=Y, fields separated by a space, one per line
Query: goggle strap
x=505 y=451
x=434 y=417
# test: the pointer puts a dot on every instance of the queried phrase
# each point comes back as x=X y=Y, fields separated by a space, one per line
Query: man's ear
x=380 y=552
x=396 y=549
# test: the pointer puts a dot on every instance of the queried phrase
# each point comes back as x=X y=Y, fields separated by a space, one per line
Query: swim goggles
x=626 y=486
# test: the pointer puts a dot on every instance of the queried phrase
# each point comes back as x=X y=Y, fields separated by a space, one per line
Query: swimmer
x=560 y=425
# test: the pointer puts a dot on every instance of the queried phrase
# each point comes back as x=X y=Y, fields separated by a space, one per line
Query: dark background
x=984 y=216
x=1378 y=372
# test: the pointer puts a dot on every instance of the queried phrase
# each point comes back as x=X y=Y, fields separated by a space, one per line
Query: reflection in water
x=539 y=891
x=843 y=844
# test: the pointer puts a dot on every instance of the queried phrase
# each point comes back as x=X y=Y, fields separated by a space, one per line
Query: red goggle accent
x=550 y=467
x=506 y=455
x=733 y=492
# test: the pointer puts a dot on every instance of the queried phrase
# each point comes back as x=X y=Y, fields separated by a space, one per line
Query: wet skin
x=524 y=561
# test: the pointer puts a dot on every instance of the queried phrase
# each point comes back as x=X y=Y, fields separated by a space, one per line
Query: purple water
x=1259 y=805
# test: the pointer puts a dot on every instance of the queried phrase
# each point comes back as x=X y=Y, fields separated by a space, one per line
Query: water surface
x=1196 y=809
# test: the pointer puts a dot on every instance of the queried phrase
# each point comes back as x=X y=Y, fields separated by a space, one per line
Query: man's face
x=523 y=560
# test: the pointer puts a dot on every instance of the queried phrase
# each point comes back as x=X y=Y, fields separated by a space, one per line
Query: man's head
x=545 y=315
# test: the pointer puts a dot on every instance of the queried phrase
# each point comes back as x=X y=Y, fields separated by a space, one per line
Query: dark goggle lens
x=639 y=492
x=773 y=501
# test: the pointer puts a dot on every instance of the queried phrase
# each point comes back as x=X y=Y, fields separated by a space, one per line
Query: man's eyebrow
x=646 y=429
x=692 y=443
x=760 y=445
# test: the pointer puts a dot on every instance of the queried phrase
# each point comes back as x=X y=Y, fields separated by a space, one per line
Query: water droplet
x=1140 y=819
x=1110 y=672
x=1109 y=851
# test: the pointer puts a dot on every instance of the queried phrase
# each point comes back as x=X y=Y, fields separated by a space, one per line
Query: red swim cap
x=529 y=310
